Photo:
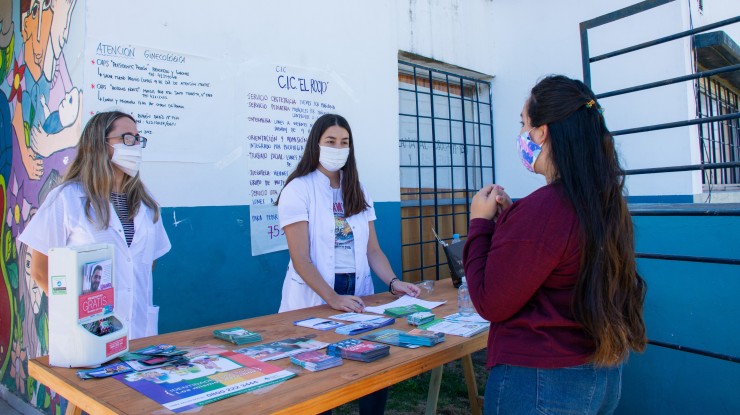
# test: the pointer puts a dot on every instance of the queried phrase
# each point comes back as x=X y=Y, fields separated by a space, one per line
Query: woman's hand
x=400 y=288
x=485 y=203
x=504 y=201
x=350 y=303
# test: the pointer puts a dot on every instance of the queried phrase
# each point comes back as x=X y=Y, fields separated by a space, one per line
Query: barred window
x=446 y=155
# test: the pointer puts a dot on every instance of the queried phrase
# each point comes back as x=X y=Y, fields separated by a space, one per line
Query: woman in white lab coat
x=328 y=221
x=102 y=200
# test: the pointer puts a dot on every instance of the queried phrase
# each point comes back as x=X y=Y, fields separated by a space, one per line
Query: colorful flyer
x=205 y=379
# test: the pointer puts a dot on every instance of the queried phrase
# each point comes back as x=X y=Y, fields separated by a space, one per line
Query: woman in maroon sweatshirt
x=555 y=271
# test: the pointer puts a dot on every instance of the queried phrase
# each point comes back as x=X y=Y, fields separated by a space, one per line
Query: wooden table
x=309 y=392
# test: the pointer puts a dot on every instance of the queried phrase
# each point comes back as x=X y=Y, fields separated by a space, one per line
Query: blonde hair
x=92 y=169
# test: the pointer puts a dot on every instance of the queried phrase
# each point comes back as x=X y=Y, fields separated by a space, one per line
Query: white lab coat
x=309 y=198
x=61 y=221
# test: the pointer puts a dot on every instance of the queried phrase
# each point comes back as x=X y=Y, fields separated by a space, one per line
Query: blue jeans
x=374 y=403
x=344 y=284
x=584 y=389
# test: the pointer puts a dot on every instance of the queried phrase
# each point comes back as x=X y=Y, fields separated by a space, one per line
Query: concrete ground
x=7 y=409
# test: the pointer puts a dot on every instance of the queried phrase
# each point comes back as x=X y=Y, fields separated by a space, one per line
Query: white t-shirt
x=344 y=239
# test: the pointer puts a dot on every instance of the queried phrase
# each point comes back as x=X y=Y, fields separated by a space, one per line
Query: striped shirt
x=121 y=206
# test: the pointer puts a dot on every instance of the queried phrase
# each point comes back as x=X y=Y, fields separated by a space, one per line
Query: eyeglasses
x=131 y=140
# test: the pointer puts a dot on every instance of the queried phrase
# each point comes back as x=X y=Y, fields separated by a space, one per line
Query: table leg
x=433 y=395
x=72 y=409
x=475 y=402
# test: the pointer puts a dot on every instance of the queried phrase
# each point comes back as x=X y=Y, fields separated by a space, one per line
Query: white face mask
x=333 y=159
x=127 y=158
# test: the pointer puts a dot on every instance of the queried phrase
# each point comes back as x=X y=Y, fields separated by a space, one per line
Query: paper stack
x=363 y=326
x=315 y=360
x=354 y=349
x=237 y=335
x=404 y=310
x=417 y=319
x=422 y=337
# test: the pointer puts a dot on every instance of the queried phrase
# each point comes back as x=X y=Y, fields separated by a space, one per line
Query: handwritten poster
x=281 y=104
x=168 y=93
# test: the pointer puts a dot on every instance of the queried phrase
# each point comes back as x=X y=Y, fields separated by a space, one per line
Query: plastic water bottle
x=464 y=303
x=455 y=238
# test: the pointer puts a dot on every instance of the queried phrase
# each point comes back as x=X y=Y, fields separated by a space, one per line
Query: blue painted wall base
x=210 y=276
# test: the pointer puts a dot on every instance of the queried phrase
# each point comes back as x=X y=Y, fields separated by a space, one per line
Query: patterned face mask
x=528 y=150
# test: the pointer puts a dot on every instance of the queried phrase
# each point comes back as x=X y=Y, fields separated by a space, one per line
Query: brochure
x=97 y=299
x=315 y=360
x=389 y=336
x=105 y=371
x=237 y=335
x=404 y=301
x=455 y=328
x=470 y=318
x=282 y=348
x=318 y=323
x=363 y=326
x=405 y=310
x=355 y=349
x=356 y=317
x=203 y=380
x=422 y=337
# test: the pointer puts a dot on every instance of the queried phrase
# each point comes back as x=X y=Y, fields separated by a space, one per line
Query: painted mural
x=40 y=123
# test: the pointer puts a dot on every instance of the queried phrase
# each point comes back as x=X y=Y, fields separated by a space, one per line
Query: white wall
x=357 y=43
x=532 y=44
x=353 y=43
x=456 y=32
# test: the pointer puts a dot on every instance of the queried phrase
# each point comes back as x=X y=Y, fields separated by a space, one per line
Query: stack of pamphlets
x=455 y=328
x=154 y=356
x=404 y=310
x=354 y=349
x=237 y=335
x=318 y=323
x=315 y=360
x=388 y=336
x=363 y=326
x=422 y=337
x=417 y=319
x=282 y=348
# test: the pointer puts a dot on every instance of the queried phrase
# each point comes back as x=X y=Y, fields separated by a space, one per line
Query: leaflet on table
x=282 y=348
x=470 y=318
x=105 y=371
x=404 y=301
x=205 y=379
x=356 y=317
x=318 y=323
x=363 y=326
x=455 y=328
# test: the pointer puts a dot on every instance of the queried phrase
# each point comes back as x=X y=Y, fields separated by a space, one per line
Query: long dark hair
x=352 y=195
x=609 y=294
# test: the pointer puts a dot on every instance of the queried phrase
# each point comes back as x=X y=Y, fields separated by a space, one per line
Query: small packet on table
x=422 y=337
x=237 y=335
x=420 y=318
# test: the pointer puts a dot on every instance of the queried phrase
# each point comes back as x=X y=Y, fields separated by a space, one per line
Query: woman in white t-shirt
x=328 y=221
x=102 y=200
